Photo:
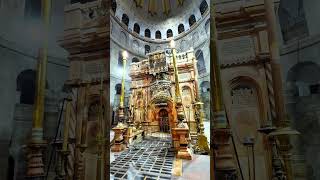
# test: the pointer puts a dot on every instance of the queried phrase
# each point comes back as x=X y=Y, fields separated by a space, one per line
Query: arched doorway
x=164 y=121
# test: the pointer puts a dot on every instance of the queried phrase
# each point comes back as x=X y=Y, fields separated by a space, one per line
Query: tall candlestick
x=35 y=166
x=124 y=62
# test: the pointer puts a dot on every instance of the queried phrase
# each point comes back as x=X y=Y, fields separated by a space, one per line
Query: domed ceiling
x=163 y=18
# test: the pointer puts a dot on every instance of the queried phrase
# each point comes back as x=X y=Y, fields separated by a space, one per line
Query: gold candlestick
x=35 y=168
x=178 y=100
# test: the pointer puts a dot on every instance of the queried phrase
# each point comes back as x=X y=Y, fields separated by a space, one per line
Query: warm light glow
x=172 y=44
x=125 y=54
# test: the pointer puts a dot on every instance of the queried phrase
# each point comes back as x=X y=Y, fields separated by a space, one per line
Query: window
x=203 y=7
x=146 y=49
x=134 y=60
x=158 y=35
x=201 y=63
x=118 y=88
x=26 y=84
x=192 y=20
x=147 y=33
x=169 y=33
x=180 y=28
x=136 y=28
x=33 y=8
x=125 y=19
x=114 y=6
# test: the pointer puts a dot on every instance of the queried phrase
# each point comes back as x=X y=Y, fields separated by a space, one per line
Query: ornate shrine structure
x=86 y=38
x=153 y=91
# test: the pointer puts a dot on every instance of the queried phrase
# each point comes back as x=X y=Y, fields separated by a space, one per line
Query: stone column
x=222 y=160
x=281 y=120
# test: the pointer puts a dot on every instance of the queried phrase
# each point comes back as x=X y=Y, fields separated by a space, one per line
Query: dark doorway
x=164 y=121
x=10 y=174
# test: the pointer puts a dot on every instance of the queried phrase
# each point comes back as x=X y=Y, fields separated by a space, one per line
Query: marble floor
x=196 y=169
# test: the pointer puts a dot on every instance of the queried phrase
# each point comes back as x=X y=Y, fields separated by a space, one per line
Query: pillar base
x=183 y=152
x=118 y=143
x=35 y=166
x=225 y=164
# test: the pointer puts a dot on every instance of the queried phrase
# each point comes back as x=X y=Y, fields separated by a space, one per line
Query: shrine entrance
x=164 y=121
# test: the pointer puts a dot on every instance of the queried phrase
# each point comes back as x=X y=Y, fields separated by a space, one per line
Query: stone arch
x=192 y=20
x=135 y=60
x=201 y=66
x=26 y=85
x=303 y=92
x=118 y=88
x=300 y=83
x=114 y=6
x=158 y=35
x=147 y=33
x=203 y=7
x=246 y=113
x=136 y=28
x=248 y=81
x=169 y=33
x=125 y=19
x=181 y=28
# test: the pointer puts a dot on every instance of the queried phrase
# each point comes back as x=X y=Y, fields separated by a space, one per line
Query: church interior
x=159 y=89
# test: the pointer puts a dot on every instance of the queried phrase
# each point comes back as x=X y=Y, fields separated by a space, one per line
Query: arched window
x=118 y=89
x=200 y=64
x=203 y=7
x=136 y=28
x=146 y=49
x=26 y=84
x=180 y=28
x=125 y=19
x=192 y=20
x=134 y=60
x=147 y=33
x=114 y=6
x=158 y=35
x=169 y=33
